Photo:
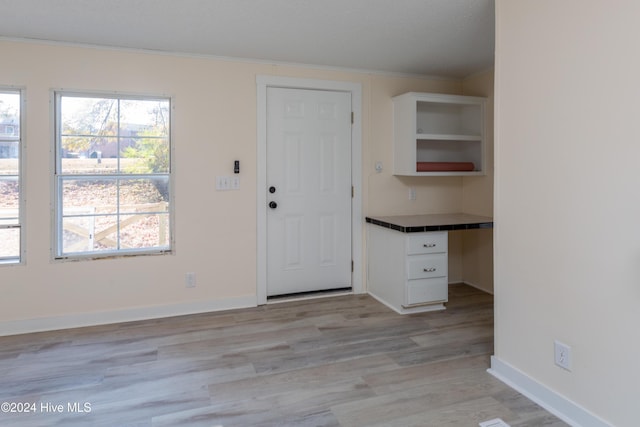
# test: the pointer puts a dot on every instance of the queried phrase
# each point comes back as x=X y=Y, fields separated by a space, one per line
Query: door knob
x=272 y=189
x=273 y=205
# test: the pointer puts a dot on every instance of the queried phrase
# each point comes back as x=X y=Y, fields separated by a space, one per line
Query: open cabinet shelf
x=443 y=134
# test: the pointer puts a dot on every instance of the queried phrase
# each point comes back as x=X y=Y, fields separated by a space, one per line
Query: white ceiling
x=453 y=38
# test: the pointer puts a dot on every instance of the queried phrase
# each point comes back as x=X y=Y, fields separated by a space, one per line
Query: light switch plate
x=223 y=183
x=235 y=182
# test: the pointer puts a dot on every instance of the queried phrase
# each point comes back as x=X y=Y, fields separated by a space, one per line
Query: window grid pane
x=11 y=200
x=9 y=244
x=113 y=193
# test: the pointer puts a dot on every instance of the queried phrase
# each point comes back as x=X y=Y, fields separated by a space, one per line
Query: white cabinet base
x=411 y=310
x=408 y=271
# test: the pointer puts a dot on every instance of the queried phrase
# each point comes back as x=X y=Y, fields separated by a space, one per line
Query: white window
x=11 y=199
x=112 y=175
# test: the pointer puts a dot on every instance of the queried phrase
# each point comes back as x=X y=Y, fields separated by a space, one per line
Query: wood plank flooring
x=338 y=361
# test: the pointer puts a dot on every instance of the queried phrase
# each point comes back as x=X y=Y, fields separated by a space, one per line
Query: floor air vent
x=494 y=423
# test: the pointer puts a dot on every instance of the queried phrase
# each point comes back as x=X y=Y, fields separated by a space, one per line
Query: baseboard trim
x=41 y=324
x=568 y=411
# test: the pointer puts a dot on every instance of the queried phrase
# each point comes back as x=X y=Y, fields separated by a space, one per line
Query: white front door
x=308 y=190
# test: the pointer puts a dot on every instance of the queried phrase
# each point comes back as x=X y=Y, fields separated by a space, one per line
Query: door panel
x=293 y=242
x=309 y=164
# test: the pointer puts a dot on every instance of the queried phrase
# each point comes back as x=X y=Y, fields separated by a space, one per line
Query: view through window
x=113 y=164
x=10 y=170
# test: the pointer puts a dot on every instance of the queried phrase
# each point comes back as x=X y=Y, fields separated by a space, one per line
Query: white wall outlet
x=412 y=193
x=562 y=355
x=190 y=280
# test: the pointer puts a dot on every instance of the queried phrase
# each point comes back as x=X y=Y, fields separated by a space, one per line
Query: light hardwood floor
x=339 y=361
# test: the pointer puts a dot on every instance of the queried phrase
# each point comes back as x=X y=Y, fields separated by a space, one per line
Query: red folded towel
x=444 y=167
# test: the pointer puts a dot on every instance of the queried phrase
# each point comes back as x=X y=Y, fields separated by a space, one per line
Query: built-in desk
x=408 y=258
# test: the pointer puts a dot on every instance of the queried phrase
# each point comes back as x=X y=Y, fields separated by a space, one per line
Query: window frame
x=58 y=178
x=22 y=252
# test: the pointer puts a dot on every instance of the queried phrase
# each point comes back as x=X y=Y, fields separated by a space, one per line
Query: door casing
x=263 y=82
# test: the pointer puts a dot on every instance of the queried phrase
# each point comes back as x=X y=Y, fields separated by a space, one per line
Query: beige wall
x=215 y=123
x=567 y=241
x=389 y=194
x=477 y=196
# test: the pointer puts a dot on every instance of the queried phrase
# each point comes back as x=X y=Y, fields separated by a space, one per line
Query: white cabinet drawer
x=427 y=291
x=427 y=243
x=426 y=266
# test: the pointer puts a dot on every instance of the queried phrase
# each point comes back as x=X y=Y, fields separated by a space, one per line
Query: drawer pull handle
x=429 y=245
x=429 y=270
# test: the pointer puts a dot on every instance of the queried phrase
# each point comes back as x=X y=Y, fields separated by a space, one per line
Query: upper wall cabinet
x=436 y=134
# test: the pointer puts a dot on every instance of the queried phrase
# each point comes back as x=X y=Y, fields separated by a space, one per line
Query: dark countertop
x=432 y=222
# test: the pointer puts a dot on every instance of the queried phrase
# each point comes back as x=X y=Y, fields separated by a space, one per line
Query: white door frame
x=263 y=82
